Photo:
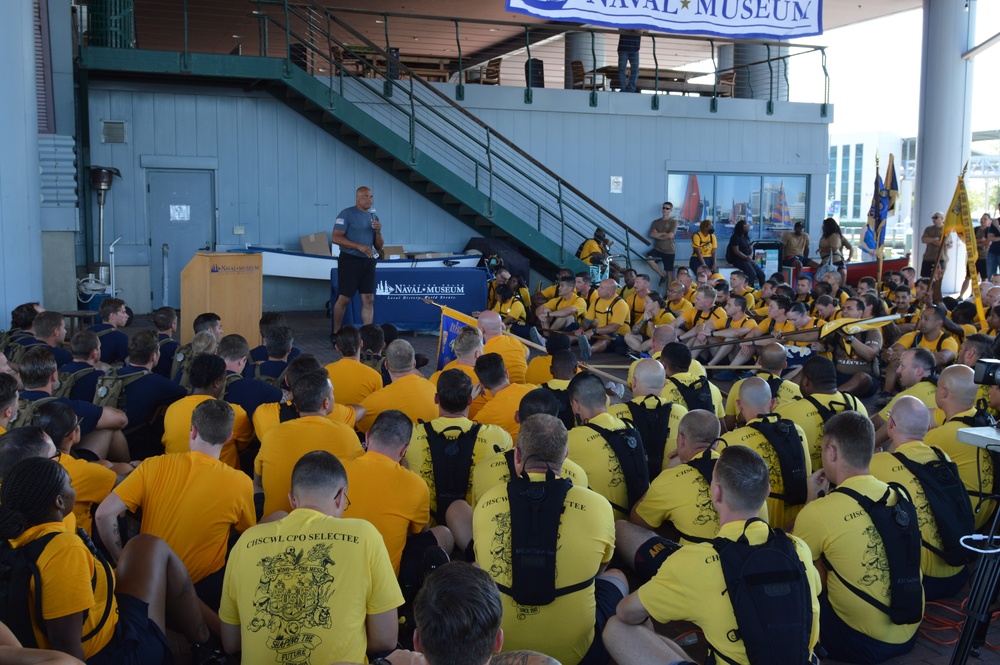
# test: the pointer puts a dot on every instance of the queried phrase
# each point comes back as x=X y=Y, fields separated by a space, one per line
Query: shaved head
x=649 y=376
x=911 y=417
x=959 y=381
x=773 y=358
x=490 y=323
x=755 y=398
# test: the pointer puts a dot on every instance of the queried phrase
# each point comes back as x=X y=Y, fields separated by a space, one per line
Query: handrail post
x=593 y=72
x=489 y=163
x=527 y=47
x=413 y=126
x=824 y=107
x=460 y=89
x=186 y=56
x=749 y=81
x=655 y=102
x=387 y=86
x=713 y=106
x=288 y=42
x=770 y=80
x=333 y=61
x=261 y=30
x=562 y=225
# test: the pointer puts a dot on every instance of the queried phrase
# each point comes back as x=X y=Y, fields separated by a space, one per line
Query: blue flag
x=875 y=231
x=452 y=321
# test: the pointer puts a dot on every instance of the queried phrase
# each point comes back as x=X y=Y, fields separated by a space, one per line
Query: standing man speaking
x=359 y=234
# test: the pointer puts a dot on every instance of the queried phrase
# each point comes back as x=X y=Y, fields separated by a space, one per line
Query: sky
x=890 y=47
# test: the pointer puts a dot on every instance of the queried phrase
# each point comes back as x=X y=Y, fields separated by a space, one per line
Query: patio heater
x=101 y=178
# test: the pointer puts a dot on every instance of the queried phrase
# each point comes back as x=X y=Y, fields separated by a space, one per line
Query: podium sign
x=228 y=283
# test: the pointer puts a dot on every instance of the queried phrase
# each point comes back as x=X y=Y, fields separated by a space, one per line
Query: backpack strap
x=286 y=412
x=631 y=455
x=451 y=461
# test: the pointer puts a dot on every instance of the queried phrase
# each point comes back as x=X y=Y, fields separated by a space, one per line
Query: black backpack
x=18 y=568
x=787 y=444
x=899 y=530
x=698 y=395
x=769 y=590
x=566 y=414
x=451 y=461
x=653 y=426
x=627 y=446
x=827 y=412
x=535 y=512
x=949 y=504
x=775 y=383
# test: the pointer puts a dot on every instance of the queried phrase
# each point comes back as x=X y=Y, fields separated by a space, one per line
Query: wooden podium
x=227 y=283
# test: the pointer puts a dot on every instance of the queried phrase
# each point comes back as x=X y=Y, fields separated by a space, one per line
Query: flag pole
x=879 y=249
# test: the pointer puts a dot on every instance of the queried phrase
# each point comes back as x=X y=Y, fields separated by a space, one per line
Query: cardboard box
x=393 y=252
x=316 y=243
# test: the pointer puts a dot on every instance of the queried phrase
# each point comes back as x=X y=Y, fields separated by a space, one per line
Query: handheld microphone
x=374 y=219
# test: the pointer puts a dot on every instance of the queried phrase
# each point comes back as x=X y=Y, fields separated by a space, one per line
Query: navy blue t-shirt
x=250 y=393
x=86 y=385
x=167 y=351
x=114 y=343
x=259 y=354
x=272 y=368
x=88 y=413
x=62 y=355
x=144 y=396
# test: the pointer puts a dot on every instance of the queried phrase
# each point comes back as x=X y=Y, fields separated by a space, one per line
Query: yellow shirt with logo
x=672 y=394
x=779 y=512
x=787 y=392
x=563 y=629
x=805 y=414
x=837 y=527
x=975 y=465
x=593 y=453
x=690 y=586
x=925 y=391
x=326 y=575
x=495 y=470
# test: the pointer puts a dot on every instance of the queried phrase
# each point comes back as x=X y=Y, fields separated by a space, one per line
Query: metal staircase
x=381 y=109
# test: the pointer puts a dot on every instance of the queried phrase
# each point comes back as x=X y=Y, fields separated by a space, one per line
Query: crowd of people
x=207 y=499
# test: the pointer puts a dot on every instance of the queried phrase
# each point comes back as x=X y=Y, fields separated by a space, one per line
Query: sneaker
x=634 y=355
x=536 y=336
x=209 y=653
x=585 y=352
x=434 y=558
x=617 y=388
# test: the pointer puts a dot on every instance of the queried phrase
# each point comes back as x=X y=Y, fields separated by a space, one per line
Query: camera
x=987 y=372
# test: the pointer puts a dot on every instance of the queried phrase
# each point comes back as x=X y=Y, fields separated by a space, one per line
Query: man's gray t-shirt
x=357 y=226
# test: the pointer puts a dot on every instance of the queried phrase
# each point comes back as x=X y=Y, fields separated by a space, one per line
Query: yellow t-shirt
x=696 y=368
x=495 y=470
x=515 y=355
x=92 y=483
x=480 y=400
x=490 y=440
x=787 y=392
x=703 y=244
x=589 y=449
x=677 y=309
x=411 y=394
x=177 y=429
x=394 y=499
x=590 y=247
x=672 y=394
x=513 y=308
x=574 y=301
x=284 y=445
x=836 y=527
x=72 y=582
x=750 y=296
x=611 y=311
x=693 y=316
x=925 y=391
x=539 y=370
x=887 y=468
x=691 y=587
x=306 y=584
x=949 y=343
x=975 y=465
x=267 y=416
x=779 y=511
x=502 y=406
x=192 y=502
x=805 y=414
x=650 y=403
x=563 y=629
x=352 y=380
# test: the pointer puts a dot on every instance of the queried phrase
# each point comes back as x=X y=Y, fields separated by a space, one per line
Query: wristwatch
x=381 y=661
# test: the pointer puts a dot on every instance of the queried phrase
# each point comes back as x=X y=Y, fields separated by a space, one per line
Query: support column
x=20 y=229
x=944 y=133
x=579 y=47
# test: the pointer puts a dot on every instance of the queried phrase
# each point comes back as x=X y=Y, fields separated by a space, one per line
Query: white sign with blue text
x=747 y=19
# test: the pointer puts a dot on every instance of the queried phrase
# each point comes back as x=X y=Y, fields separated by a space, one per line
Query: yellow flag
x=959 y=220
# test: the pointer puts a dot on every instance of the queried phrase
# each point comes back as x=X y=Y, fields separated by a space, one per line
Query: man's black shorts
x=355 y=274
x=666 y=259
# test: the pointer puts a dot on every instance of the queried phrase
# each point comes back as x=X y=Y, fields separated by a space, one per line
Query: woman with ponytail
x=84 y=611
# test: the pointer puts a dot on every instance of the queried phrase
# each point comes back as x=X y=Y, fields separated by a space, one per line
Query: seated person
x=654 y=314
x=279 y=343
x=50 y=329
x=123 y=617
x=267 y=321
x=352 y=379
x=165 y=321
x=78 y=378
x=250 y=394
x=560 y=313
x=268 y=415
x=606 y=320
x=114 y=343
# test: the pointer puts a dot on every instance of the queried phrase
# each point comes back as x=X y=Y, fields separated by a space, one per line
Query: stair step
x=434 y=189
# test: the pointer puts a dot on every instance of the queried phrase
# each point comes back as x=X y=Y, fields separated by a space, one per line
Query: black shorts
x=137 y=640
x=209 y=588
x=607 y=595
x=355 y=275
x=865 y=394
x=651 y=555
x=666 y=259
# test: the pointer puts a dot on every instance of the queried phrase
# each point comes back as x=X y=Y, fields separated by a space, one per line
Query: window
x=845 y=177
x=859 y=154
x=831 y=179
